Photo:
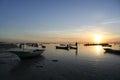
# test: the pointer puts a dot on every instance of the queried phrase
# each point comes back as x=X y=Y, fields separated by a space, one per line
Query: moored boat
x=112 y=50
x=28 y=54
x=62 y=47
x=72 y=47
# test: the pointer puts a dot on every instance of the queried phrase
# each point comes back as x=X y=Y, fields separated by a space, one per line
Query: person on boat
x=68 y=46
x=20 y=46
x=76 y=44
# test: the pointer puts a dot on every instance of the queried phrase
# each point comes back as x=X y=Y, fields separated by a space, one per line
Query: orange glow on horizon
x=98 y=38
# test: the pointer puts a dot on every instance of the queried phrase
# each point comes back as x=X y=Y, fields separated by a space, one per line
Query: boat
x=28 y=54
x=62 y=47
x=72 y=47
x=108 y=50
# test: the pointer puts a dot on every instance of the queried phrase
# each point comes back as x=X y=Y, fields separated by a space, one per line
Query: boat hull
x=23 y=54
x=107 y=50
x=71 y=47
x=61 y=47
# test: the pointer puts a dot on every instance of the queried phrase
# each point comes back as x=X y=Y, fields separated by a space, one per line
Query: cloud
x=111 y=22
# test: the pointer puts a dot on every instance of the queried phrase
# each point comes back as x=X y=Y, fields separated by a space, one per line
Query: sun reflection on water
x=98 y=50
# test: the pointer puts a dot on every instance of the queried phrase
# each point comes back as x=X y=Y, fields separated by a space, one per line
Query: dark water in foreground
x=87 y=63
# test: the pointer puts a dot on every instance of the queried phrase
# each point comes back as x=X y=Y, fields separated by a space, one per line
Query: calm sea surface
x=86 y=63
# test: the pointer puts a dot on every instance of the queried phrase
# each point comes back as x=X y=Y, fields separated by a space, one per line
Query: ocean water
x=85 y=63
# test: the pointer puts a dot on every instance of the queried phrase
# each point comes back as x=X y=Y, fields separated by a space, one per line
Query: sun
x=97 y=38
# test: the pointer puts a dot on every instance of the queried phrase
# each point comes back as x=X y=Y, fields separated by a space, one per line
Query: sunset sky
x=59 y=20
